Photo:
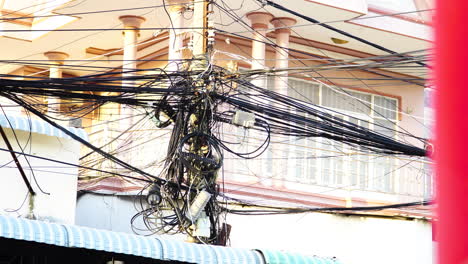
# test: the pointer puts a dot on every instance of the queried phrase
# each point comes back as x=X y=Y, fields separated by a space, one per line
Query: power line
x=99 y=29
x=347 y=20
x=74 y=165
x=310 y=19
x=271 y=210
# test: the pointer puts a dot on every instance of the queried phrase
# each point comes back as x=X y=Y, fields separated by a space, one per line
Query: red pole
x=451 y=150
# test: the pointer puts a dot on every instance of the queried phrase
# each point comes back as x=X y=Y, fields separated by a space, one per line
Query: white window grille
x=326 y=162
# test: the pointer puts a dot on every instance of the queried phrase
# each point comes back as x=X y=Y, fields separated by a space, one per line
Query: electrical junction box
x=244 y=119
x=198 y=204
x=202 y=226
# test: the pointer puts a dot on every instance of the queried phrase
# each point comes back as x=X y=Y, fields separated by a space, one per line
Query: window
x=304 y=157
x=305 y=91
x=326 y=162
x=359 y=169
x=338 y=99
x=304 y=149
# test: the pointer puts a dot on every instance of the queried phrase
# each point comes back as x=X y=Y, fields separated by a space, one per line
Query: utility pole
x=202 y=41
x=194 y=156
x=200 y=25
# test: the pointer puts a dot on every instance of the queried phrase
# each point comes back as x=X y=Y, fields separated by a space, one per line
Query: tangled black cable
x=195 y=104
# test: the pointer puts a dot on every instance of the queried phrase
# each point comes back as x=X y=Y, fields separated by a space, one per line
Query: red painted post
x=451 y=149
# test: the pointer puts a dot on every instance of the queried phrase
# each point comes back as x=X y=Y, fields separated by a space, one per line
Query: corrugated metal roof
x=37 y=126
x=150 y=247
x=280 y=257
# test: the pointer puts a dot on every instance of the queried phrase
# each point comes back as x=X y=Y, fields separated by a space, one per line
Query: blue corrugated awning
x=37 y=231
x=188 y=252
x=90 y=238
x=38 y=126
x=150 y=247
x=280 y=257
x=235 y=255
x=195 y=253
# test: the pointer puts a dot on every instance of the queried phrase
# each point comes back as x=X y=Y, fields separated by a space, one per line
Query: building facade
x=348 y=79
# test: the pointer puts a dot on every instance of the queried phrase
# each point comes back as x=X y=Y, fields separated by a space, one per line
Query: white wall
x=58 y=180
x=353 y=240
x=112 y=212
x=109 y=212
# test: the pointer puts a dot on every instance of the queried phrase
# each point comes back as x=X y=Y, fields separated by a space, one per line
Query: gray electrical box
x=244 y=119
x=75 y=123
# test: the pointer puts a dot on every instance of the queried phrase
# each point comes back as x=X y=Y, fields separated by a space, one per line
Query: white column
x=259 y=22
x=176 y=14
x=282 y=152
x=282 y=40
x=129 y=64
x=56 y=59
